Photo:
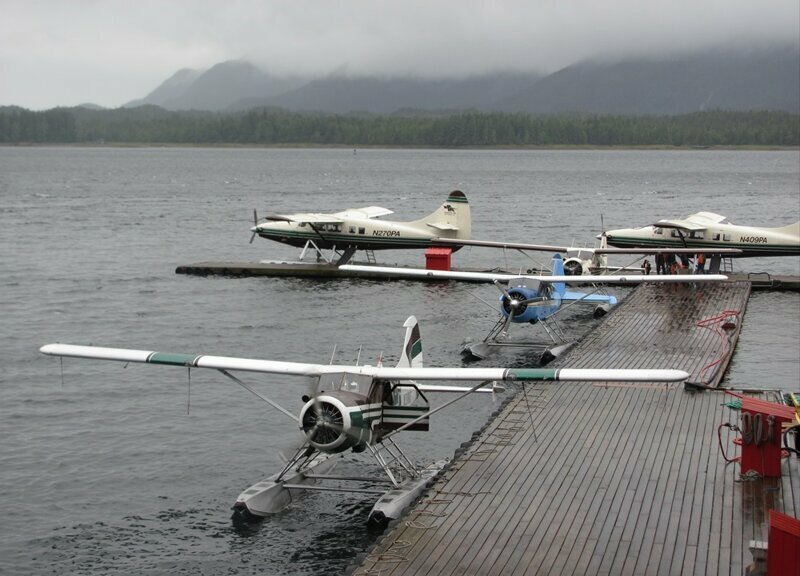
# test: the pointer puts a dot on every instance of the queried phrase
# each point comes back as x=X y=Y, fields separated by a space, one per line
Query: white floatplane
x=708 y=231
x=358 y=408
x=360 y=229
x=531 y=299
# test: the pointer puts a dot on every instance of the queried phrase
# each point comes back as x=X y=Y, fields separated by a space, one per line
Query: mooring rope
x=715 y=323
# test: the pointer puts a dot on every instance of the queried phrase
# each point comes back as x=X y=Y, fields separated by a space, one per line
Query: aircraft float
x=360 y=229
x=358 y=409
x=709 y=231
x=530 y=299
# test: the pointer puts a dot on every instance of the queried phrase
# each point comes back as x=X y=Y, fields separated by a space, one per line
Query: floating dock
x=605 y=479
x=760 y=280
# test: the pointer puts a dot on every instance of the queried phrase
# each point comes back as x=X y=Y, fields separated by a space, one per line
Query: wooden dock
x=608 y=479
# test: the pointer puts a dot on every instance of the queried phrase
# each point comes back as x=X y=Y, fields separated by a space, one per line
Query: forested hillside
x=153 y=125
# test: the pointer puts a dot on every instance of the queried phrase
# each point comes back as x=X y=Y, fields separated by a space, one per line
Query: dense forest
x=153 y=125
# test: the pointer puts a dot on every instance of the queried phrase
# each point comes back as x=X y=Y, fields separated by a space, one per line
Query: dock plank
x=603 y=479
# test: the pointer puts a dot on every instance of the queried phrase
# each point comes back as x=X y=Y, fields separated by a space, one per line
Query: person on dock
x=661 y=264
x=646 y=266
x=700 y=264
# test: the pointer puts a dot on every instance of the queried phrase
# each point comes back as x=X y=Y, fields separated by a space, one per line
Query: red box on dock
x=438 y=258
x=761 y=435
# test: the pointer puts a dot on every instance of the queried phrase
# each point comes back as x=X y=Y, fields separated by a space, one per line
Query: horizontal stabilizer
x=592 y=298
x=442 y=226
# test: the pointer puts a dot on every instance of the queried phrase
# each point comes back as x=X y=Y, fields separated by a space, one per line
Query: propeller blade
x=503 y=334
x=537 y=299
x=255 y=225
x=503 y=290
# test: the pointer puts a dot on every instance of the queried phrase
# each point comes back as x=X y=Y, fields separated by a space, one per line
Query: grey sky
x=68 y=52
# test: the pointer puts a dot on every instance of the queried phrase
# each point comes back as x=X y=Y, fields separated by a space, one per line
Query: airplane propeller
x=255 y=225
x=323 y=423
x=573 y=268
x=515 y=305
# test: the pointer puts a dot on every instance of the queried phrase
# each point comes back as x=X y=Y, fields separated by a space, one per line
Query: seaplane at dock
x=534 y=299
x=342 y=233
x=358 y=409
x=707 y=231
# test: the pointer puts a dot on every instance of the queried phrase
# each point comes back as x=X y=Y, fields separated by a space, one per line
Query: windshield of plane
x=356 y=383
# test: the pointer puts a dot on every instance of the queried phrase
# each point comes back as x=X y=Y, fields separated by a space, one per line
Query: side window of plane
x=352 y=230
x=698 y=235
x=715 y=236
x=362 y=230
x=726 y=237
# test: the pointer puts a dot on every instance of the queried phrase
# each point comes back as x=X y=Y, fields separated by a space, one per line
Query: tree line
x=154 y=125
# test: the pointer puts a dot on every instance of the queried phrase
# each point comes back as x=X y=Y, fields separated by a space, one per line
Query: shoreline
x=310 y=146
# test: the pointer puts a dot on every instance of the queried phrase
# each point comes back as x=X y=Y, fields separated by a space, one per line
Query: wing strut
x=264 y=398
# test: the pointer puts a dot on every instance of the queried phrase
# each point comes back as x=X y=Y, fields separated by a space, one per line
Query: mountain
x=170 y=90
x=729 y=80
x=216 y=88
x=736 y=79
x=343 y=94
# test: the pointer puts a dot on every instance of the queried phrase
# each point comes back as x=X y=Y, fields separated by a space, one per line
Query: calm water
x=102 y=470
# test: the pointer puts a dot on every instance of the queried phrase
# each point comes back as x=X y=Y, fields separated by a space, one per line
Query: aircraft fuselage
x=362 y=234
x=752 y=241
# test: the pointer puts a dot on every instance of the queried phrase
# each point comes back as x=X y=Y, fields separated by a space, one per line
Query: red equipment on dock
x=761 y=434
x=438 y=258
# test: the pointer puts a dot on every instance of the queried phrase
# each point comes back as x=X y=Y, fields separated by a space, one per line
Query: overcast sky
x=108 y=52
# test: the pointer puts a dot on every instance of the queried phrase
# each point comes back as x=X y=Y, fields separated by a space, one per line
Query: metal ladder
x=371 y=256
x=392 y=460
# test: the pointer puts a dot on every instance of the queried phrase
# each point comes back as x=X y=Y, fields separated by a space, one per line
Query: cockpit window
x=659 y=231
x=356 y=383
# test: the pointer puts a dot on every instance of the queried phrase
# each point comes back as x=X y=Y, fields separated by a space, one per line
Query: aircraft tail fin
x=790 y=230
x=452 y=219
x=558 y=270
x=411 y=355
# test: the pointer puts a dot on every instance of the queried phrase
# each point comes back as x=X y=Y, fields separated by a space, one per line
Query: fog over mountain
x=762 y=79
x=58 y=53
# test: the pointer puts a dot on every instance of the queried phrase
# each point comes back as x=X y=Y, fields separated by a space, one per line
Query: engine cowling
x=521 y=312
x=333 y=422
x=575 y=267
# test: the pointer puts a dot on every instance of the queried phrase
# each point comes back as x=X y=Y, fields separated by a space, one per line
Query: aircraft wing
x=492 y=244
x=378 y=372
x=306 y=218
x=698 y=250
x=680 y=224
x=548 y=248
x=396 y=272
x=365 y=212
